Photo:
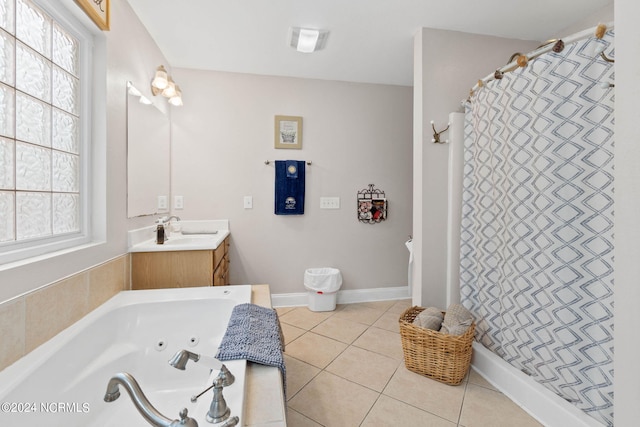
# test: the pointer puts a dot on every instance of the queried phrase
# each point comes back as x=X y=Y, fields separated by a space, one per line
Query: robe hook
x=436 y=134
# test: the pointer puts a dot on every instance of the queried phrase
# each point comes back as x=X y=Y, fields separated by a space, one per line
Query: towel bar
x=267 y=162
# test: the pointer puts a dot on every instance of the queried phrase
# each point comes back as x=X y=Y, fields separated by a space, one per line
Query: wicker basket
x=442 y=357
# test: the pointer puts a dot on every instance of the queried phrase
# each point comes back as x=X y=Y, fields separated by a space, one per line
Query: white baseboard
x=540 y=402
x=348 y=296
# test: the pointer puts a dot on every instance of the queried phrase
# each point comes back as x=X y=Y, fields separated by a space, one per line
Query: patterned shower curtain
x=537 y=222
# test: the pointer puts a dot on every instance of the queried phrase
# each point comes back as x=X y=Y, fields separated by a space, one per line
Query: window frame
x=35 y=248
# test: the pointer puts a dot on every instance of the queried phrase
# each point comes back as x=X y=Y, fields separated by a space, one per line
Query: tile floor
x=345 y=368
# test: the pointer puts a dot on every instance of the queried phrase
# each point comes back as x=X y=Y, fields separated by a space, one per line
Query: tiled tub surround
x=345 y=368
x=30 y=320
x=135 y=332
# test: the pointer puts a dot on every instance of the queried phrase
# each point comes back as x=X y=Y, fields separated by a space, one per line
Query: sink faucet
x=162 y=229
x=166 y=219
x=142 y=404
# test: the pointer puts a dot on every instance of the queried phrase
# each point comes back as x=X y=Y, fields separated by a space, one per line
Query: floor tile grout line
x=369 y=410
x=464 y=395
x=418 y=408
x=368 y=326
x=379 y=394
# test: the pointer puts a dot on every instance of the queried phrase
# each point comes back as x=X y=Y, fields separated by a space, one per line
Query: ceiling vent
x=307 y=40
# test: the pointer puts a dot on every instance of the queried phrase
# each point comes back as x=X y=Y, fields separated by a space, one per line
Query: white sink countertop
x=193 y=236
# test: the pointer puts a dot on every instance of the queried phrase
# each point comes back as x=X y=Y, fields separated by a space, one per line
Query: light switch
x=178 y=202
x=162 y=202
x=329 y=202
x=248 y=202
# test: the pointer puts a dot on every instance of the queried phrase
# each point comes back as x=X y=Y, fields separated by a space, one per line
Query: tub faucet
x=142 y=404
x=218 y=410
x=180 y=359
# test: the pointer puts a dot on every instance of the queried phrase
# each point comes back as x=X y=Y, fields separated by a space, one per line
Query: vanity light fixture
x=176 y=99
x=170 y=90
x=307 y=40
x=163 y=84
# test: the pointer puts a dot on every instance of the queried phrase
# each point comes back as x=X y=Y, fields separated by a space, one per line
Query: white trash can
x=323 y=285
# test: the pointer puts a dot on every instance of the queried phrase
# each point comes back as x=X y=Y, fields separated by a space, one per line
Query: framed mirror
x=148 y=156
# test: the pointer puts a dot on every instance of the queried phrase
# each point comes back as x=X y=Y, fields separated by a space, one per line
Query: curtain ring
x=558 y=47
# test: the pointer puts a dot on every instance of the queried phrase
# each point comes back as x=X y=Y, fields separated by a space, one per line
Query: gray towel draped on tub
x=254 y=333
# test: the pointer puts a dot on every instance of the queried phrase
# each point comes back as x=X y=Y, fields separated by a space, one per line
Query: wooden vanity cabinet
x=180 y=269
x=221 y=270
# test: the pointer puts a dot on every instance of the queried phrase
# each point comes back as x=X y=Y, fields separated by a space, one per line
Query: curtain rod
x=598 y=31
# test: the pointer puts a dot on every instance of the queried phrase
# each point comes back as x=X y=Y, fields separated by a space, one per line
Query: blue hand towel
x=254 y=333
x=289 y=197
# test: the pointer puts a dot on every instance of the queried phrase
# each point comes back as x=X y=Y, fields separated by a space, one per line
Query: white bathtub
x=63 y=382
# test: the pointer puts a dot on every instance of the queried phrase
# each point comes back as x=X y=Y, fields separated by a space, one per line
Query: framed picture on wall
x=98 y=11
x=364 y=209
x=288 y=132
x=379 y=209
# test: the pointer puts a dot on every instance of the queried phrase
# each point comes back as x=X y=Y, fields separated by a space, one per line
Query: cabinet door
x=150 y=270
x=191 y=268
x=177 y=269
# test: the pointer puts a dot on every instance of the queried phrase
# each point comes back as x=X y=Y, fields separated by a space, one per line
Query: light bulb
x=170 y=90
x=160 y=80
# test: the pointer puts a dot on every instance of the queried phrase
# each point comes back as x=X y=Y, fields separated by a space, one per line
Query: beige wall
x=354 y=134
x=449 y=63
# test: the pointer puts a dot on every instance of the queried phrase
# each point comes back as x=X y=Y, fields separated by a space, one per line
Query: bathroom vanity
x=184 y=260
x=180 y=269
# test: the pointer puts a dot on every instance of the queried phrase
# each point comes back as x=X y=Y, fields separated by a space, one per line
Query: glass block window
x=40 y=150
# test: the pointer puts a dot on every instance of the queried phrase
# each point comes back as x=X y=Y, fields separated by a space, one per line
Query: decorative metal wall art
x=372 y=205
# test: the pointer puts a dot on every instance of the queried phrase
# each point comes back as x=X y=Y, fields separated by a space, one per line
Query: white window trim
x=92 y=134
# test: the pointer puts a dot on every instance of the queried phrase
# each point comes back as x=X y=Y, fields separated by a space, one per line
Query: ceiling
x=370 y=41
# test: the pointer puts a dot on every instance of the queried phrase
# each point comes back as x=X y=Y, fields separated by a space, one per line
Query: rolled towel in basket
x=429 y=318
x=456 y=320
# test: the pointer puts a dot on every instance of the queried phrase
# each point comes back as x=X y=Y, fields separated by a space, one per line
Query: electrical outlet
x=162 y=202
x=329 y=202
x=248 y=202
x=178 y=202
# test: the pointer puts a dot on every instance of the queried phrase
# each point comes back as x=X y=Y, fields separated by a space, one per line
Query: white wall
x=354 y=134
x=627 y=230
x=449 y=63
